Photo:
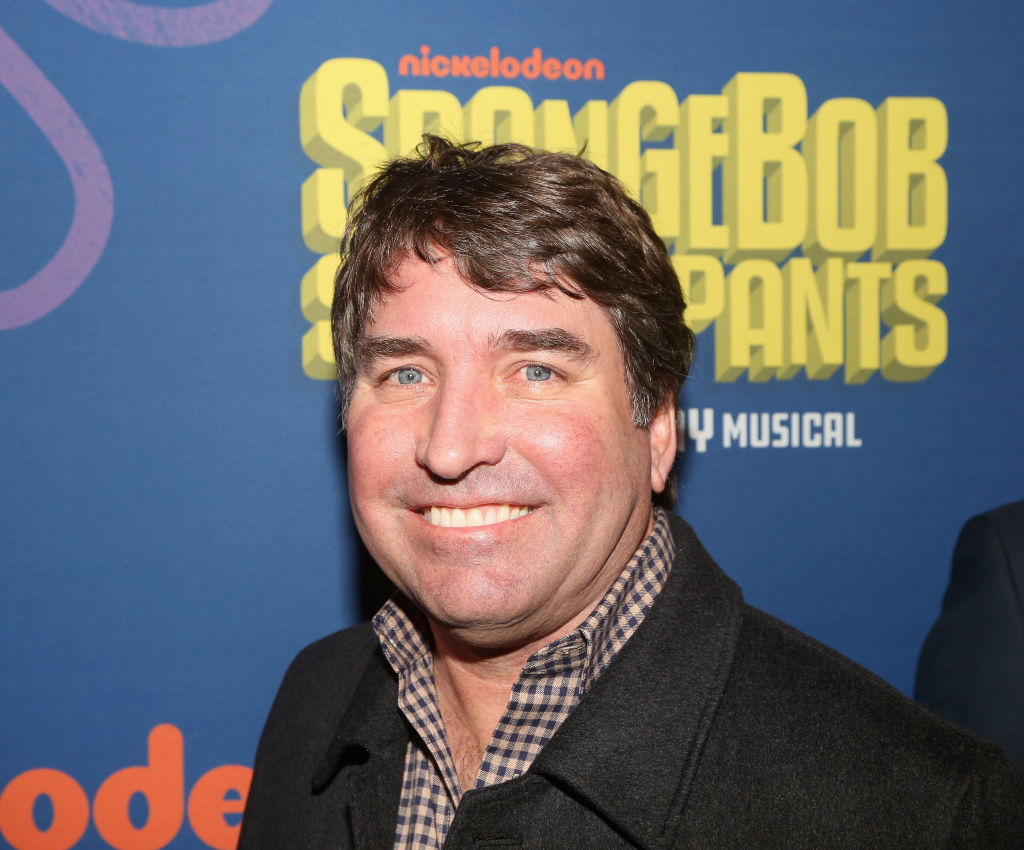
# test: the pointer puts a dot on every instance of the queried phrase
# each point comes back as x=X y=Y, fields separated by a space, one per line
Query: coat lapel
x=632 y=745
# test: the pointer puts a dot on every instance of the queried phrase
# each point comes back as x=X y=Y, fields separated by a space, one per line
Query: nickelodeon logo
x=214 y=804
x=495 y=65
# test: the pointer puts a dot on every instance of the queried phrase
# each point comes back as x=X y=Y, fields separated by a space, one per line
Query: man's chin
x=484 y=626
x=488 y=639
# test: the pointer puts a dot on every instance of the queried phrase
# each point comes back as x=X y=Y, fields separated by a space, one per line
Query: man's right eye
x=408 y=375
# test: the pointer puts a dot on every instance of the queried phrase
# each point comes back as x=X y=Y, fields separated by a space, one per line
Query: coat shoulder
x=835 y=699
x=321 y=679
x=812 y=732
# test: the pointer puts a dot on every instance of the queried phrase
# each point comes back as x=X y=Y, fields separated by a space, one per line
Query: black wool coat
x=716 y=726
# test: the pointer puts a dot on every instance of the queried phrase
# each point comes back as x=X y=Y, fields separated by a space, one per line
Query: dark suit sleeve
x=971 y=669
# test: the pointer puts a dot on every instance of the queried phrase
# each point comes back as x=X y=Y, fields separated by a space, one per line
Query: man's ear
x=663 y=443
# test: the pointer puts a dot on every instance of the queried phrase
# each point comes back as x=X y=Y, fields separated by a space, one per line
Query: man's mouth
x=473 y=517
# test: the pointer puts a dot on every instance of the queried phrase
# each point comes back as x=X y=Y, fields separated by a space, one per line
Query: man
x=563 y=665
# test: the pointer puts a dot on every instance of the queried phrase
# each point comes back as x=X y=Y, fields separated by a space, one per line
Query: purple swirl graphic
x=164 y=27
x=94 y=194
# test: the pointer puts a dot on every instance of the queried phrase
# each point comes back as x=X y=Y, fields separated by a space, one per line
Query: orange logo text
x=495 y=65
x=213 y=805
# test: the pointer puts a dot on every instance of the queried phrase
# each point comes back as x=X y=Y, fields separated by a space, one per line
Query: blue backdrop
x=173 y=510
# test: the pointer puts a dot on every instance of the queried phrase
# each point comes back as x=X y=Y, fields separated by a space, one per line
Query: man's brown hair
x=515 y=219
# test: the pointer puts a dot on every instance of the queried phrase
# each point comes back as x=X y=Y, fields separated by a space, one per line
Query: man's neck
x=473 y=693
x=473 y=688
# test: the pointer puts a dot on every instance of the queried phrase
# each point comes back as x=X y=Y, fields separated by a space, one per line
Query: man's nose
x=461 y=431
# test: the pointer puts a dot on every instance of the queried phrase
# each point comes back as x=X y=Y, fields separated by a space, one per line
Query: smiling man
x=562 y=664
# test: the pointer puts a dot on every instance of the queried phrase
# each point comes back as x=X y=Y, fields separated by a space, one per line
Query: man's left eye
x=538 y=373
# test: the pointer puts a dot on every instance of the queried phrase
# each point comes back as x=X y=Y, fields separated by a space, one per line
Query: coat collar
x=363 y=763
x=659 y=695
x=372 y=724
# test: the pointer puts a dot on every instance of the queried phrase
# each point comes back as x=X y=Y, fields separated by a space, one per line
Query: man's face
x=495 y=471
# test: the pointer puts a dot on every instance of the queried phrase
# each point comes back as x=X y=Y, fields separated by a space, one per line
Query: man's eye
x=409 y=375
x=538 y=373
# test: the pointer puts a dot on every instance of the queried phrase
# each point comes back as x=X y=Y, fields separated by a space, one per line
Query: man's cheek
x=576 y=451
x=378 y=447
x=558 y=433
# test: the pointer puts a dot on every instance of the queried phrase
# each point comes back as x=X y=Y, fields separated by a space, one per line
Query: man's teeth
x=472 y=517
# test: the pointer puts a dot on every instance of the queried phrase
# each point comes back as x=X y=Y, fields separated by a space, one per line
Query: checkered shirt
x=553 y=681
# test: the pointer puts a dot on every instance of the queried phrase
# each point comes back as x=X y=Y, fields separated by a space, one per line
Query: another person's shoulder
x=1011 y=514
x=1002 y=527
x=971 y=668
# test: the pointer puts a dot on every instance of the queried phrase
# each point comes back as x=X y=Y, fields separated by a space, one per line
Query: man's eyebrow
x=545 y=339
x=372 y=349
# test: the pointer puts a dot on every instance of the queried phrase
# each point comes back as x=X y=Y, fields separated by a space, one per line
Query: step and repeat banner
x=840 y=184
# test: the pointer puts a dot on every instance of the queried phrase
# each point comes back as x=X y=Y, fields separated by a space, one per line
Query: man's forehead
x=535 y=277
x=418 y=290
